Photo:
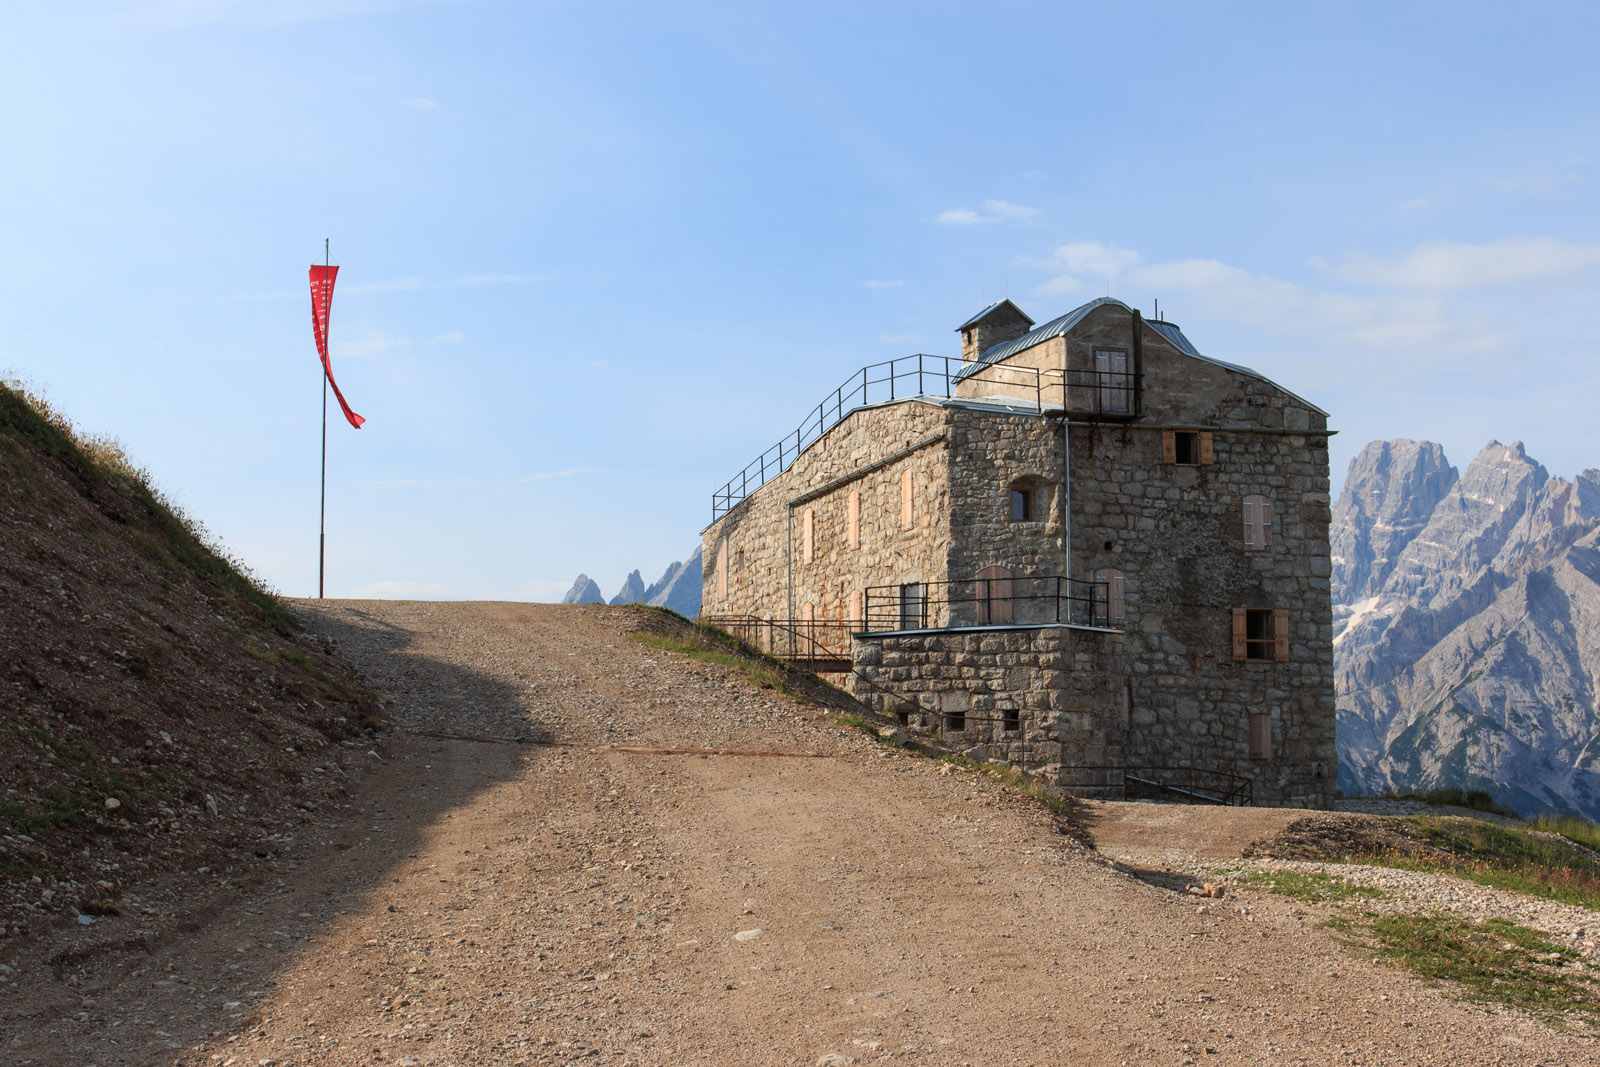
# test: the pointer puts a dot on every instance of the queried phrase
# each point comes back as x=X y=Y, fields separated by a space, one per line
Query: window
x=808 y=535
x=955 y=722
x=1260 y=634
x=853 y=527
x=1257 y=523
x=913 y=608
x=992 y=590
x=906 y=514
x=1110 y=597
x=1111 y=375
x=722 y=568
x=1260 y=736
x=1021 y=505
x=1187 y=448
x=1009 y=722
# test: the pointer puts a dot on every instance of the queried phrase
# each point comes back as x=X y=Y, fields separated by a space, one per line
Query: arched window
x=853 y=527
x=1110 y=597
x=808 y=535
x=1257 y=523
x=992 y=589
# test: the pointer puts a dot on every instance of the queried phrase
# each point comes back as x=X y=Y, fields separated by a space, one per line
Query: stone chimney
x=999 y=322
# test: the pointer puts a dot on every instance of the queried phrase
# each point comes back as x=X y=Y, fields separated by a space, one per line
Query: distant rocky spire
x=584 y=591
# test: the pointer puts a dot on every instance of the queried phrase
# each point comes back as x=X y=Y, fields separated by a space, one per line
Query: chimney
x=996 y=324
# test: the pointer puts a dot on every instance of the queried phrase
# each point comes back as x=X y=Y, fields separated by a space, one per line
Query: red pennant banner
x=322 y=279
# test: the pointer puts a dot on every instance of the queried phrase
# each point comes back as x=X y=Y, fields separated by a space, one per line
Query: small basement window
x=955 y=722
x=1010 y=722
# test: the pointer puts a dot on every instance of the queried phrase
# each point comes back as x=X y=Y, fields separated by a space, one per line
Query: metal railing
x=1096 y=394
x=812 y=643
x=1014 y=601
x=1189 y=785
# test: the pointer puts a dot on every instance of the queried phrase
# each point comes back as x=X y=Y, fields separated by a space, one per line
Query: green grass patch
x=59 y=811
x=1505 y=857
x=1493 y=960
x=1013 y=778
x=292 y=657
x=1312 y=887
x=1580 y=831
x=713 y=646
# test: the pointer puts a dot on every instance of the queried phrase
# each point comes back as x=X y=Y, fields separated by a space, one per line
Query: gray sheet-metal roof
x=1064 y=324
x=980 y=316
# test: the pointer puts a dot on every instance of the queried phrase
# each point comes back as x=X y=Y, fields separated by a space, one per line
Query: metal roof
x=1064 y=324
x=980 y=316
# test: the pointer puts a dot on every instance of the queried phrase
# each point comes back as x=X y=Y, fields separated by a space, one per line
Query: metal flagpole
x=322 y=531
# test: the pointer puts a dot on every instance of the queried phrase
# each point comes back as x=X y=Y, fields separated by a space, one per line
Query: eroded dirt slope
x=158 y=713
x=494 y=903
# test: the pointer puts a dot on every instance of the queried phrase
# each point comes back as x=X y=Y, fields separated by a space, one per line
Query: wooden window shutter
x=854 y=527
x=856 y=609
x=1260 y=736
x=1264 y=521
x=722 y=568
x=1169 y=446
x=906 y=514
x=1250 y=522
x=808 y=535
x=1241 y=646
x=1206 y=453
x=1280 y=633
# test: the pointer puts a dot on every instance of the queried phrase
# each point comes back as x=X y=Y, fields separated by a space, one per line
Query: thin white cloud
x=1448 y=266
x=420 y=103
x=259 y=12
x=379 y=342
x=1546 y=183
x=993 y=211
x=876 y=283
x=1061 y=283
x=547 y=476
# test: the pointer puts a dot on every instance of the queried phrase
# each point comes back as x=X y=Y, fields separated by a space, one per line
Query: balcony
x=990 y=601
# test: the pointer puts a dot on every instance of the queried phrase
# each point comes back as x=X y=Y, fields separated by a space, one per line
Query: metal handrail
x=1014 y=601
x=1084 y=392
x=795 y=640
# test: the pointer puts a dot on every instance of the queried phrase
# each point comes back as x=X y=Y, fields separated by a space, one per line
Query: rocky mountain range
x=1467 y=627
x=678 y=588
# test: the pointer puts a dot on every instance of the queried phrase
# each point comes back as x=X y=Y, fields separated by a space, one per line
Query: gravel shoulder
x=494 y=902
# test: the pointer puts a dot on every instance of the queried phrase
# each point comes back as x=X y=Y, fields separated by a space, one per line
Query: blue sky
x=597 y=256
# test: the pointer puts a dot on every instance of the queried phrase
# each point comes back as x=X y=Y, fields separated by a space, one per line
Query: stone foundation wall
x=1039 y=695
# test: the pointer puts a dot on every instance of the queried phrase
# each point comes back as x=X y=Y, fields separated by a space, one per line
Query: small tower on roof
x=1001 y=321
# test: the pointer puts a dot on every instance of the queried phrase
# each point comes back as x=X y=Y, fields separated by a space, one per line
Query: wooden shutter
x=1250 y=523
x=1169 y=446
x=906 y=515
x=855 y=519
x=856 y=610
x=808 y=535
x=1206 y=454
x=994 y=597
x=1280 y=633
x=1260 y=736
x=1264 y=521
x=722 y=568
x=1241 y=632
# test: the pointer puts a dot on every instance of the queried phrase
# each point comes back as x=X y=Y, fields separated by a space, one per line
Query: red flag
x=322 y=279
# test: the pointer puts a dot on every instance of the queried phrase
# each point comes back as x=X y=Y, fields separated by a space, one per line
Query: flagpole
x=322 y=531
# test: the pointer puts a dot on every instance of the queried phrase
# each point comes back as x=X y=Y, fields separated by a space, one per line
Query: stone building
x=1082 y=545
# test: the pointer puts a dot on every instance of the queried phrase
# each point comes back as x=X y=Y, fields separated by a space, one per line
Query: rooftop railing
x=1104 y=394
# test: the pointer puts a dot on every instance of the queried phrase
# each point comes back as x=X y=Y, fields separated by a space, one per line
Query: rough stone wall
x=1064 y=687
x=761 y=547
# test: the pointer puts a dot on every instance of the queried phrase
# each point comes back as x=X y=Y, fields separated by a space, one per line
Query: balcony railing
x=816 y=644
x=1113 y=395
x=1013 y=601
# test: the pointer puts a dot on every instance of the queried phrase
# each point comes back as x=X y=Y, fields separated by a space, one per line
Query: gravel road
x=483 y=902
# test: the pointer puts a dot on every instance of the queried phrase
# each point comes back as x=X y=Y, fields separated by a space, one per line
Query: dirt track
x=484 y=903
